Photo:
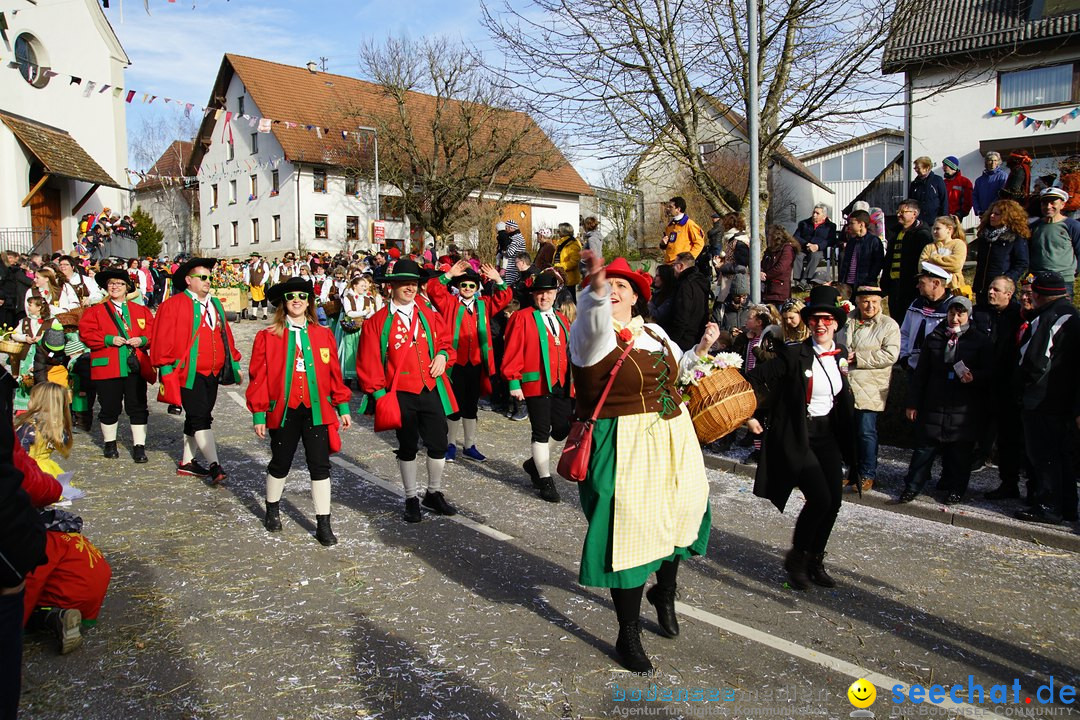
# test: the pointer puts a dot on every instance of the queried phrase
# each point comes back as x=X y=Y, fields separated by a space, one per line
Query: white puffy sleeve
x=592 y=335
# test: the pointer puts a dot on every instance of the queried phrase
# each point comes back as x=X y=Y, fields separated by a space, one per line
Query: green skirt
x=347 y=344
x=597 y=494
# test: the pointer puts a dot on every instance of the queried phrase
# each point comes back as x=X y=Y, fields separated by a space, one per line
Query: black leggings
x=466 y=381
x=627 y=601
x=820 y=478
x=549 y=415
x=284 y=440
x=421 y=414
x=130 y=392
x=199 y=403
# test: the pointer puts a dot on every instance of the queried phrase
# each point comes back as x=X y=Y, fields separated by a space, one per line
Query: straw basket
x=720 y=403
x=14 y=350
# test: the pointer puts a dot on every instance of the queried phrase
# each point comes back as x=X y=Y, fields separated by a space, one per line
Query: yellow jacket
x=568 y=260
x=682 y=236
x=949 y=255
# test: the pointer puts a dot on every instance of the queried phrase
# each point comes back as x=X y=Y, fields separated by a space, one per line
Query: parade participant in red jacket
x=296 y=391
x=194 y=338
x=405 y=347
x=468 y=319
x=118 y=334
x=537 y=366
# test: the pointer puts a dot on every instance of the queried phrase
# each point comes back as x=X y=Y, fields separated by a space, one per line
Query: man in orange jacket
x=682 y=234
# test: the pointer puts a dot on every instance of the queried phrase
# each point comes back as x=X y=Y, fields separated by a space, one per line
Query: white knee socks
x=108 y=432
x=541 y=456
x=408 y=476
x=453 y=431
x=274 y=488
x=320 y=496
x=434 y=473
x=470 y=432
x=204 y=439
x=138 y=434
x=189 y=449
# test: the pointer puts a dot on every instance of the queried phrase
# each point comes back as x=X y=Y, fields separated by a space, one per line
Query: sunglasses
x=199 y=277
x=468 y=286
x=296 y=296
x=821 y=320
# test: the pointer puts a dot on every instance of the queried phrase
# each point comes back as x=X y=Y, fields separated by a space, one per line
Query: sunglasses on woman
x=296 y=296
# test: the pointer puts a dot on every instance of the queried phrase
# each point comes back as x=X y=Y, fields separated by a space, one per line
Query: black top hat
x=104 y=276
x=546 y=280
x=405 y=270
x=277 y=292
x=178 y=279
x=470 y=275
x=824 y=299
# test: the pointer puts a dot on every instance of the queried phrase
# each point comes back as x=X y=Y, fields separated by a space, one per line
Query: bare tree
x=172 y=201
x=447 y=140
x=632 y=76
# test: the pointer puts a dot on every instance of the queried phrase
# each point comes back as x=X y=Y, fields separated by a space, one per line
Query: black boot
x=663 y=599
x=547 y=490
x=110 y=450
x=530 y=469
x=795 y=563
x=436 y=501
x=323 y=533
x=631 y=654
x=1005 y=491
x=272 y=522
x=138 y=454
x=412 y=509
x=815 y=569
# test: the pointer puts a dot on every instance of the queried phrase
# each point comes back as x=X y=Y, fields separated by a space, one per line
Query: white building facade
x=59 y=138
x=848 y=167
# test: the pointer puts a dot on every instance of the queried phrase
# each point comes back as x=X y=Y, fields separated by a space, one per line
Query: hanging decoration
x=1030 y=122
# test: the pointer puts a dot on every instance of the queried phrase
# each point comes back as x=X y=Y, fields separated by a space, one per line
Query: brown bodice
x=644 y=384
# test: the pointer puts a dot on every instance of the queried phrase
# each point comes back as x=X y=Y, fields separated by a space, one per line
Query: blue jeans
x=866 y=440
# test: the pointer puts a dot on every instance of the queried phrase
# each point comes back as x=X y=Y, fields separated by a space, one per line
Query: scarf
x=953 y=335
x=635 y=327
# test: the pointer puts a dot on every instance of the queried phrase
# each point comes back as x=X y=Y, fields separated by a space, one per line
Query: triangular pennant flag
x=104 y=88
x=264 y=125
x=130 y=95
x=116 y=91
x=75 y=80
x=187 y=110
x=90 y=85
x=1028 y=122
x=217 y=113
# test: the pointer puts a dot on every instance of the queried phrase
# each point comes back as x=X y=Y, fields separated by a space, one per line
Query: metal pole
x=375 y=134
x=755 y=160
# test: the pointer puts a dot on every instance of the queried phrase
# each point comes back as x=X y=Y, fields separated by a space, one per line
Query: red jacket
x=528 y=346
x=271 y=374
x=42 y=487
x=387 y=349
x=958 y=189
x=470 y=333
x=97 y=330
x=174 y=340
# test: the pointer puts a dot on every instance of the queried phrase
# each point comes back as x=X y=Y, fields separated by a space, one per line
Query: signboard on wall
x=378 y=232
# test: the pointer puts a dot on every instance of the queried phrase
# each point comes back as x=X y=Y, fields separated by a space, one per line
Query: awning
x=58 y=151
x=1040 y=145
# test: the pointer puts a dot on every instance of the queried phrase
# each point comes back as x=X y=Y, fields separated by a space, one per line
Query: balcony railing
x=26 y=240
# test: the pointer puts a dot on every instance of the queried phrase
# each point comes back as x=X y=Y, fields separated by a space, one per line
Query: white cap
x=929 y=268
x=860 y=205
x=1055 y=192
x=500 y=225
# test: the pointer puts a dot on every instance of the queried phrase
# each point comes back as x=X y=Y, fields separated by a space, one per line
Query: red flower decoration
x=529 y=281
x=625 y=335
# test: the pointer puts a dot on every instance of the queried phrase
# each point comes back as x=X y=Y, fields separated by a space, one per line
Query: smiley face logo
x=862 y=694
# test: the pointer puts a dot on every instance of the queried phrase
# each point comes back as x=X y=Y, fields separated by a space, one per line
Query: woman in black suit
x=806 y=403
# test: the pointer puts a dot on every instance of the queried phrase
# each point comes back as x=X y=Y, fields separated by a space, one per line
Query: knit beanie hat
x=740 y=285
x=54 y=338
x=951 y=162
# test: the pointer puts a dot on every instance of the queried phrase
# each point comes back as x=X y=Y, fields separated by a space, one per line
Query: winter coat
x=1070 y=183
x=1018 y=183
x=1006 y=254
x=690 y=309
x=931 y=195
x=1002 y=327
x=902 y=264
x=730 y=317
x=947 y=409
x=781 y=388
x=987 y=187
x=950 y=255
x=868 y=261
x=777 y=268
x=737 y=247
x=568 y=260
x=958 y=191
x=1046 y=379
x=876 y=344
x=683 y=235
x=824 y=235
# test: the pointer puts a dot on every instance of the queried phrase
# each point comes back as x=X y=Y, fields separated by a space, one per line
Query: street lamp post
x=752 y=131
x=375 y=134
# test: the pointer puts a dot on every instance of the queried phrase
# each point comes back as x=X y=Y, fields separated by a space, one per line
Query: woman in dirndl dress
x=357 y=305
x=646 y=496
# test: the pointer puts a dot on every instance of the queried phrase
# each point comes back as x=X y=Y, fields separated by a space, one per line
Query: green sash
x=482 y=330
x=309 y=366
x=384 y=342
x=542 y=333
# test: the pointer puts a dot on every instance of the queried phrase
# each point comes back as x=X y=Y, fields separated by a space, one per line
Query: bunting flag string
x=208 y=172
x=127 y=95
x=1030 y=122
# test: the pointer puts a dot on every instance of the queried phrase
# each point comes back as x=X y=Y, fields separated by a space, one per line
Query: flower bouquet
x=717 y=395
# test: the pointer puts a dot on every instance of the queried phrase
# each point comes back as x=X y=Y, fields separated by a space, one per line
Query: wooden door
x=45 y=215
x=522 y=215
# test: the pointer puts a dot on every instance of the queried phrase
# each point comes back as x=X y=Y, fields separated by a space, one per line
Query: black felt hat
x=405 y=270
x=546 y=280
x=178 y=278
x=104 y=276
x=295 y=284
x=470 y=275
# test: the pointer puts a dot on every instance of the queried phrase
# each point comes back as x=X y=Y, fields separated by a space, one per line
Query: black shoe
x=522 y=413
x=323 y=533
x=631 y=654
x=547 y=490
x=1005 y=491
x=66 y=625
x=1040 y=514
x=272 y=521
x=110 y=450
x=530 y=469
x=795 y=563
x=906 y=497
x=412 y=510
x=953 y=499
x=176 y=410
x=434 y=500
x=138 y=454
x=978 y=464
x=663 y=599
x=754 y=457
x=192 y=469
x=815 y=570
x=216 y=473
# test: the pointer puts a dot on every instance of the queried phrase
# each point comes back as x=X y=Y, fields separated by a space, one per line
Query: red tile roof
x=174 y=162
x=58 y=151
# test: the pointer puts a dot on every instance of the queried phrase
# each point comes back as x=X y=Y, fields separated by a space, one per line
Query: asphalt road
x=481 y=616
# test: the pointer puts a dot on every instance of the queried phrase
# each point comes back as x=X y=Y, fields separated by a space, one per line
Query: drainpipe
x=296 y=174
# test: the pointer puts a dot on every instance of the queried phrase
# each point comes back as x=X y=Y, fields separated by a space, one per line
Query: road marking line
x=762 y=638
x=827 y=661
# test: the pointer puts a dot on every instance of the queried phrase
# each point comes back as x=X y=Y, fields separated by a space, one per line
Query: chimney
x=312 y=67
